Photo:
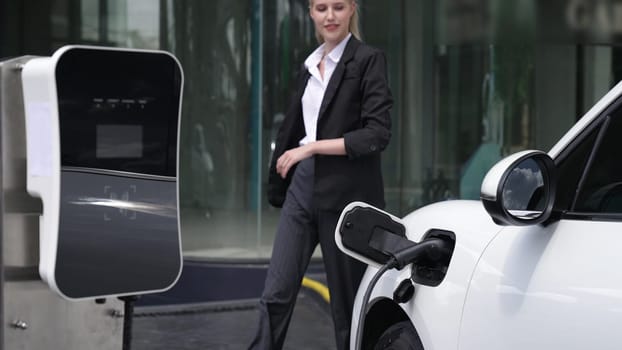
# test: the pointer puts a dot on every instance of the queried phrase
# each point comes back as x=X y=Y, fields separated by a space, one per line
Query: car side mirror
x=520 y=189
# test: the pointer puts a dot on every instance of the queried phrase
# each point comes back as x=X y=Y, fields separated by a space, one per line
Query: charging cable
x=430 y=248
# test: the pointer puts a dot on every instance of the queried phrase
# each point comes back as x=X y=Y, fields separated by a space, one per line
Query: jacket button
x=372 y=148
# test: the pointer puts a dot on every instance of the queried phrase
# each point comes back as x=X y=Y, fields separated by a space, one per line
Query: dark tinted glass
x=570 y=170
x=602 y=189
x=116 y=113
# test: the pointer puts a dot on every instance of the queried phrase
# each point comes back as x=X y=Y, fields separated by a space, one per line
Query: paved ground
x=228 y=326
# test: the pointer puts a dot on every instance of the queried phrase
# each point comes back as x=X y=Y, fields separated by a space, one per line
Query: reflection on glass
x=523 y=190
x=90 y=19
x=465 y=85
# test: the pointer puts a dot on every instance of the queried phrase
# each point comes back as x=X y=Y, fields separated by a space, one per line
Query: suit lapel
x=302 y=84
x=297 y=120
x=335 y=79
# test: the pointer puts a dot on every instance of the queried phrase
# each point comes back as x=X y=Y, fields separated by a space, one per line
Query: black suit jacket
x=356 y=107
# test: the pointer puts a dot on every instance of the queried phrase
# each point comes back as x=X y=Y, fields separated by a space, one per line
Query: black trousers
x=301 y=227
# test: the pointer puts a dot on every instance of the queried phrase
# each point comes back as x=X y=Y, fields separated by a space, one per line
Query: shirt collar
x=334 y=55
x=337 y=52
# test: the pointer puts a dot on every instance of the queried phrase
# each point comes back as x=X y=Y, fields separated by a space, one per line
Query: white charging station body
x=102 y=132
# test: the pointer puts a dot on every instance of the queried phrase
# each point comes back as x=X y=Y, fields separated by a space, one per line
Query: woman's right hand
x=288 y=159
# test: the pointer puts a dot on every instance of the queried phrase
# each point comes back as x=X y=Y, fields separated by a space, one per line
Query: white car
x=533 y=265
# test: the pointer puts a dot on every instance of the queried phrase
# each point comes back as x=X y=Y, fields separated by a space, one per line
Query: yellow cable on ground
x=317 y=287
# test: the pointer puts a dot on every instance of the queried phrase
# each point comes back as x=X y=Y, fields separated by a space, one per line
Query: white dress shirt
x=316 y=86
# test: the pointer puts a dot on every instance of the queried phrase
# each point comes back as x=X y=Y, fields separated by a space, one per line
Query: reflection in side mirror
x=523 y=190
x=520 y=189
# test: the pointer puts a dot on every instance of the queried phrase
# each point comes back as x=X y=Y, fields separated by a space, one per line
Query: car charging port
x=433 y=248
x=430 y=270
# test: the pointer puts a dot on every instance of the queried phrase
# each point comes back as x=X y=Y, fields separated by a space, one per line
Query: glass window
x=601 y=190
x=472 y=82
x=570 y=168
x=90 y=20
x=219 y=160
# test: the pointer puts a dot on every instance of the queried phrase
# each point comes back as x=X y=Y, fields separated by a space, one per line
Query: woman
x=327 y=155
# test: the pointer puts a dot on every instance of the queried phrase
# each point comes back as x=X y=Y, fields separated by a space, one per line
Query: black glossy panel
x=372 y=234
x=117 y=235
x=119 y=110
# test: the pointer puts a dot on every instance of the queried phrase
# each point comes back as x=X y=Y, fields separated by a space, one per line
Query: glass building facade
x=473 y=81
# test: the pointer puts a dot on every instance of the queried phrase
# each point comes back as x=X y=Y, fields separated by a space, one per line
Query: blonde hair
x=354 y=23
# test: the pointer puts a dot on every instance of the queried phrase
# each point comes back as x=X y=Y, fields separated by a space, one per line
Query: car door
x=558 y=285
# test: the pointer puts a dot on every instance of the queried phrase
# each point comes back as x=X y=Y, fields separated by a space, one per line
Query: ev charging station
x=90 y=144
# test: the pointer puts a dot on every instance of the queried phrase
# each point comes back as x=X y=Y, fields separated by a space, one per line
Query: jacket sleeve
x=288 y=135
x=376 y=102
x=277 y=186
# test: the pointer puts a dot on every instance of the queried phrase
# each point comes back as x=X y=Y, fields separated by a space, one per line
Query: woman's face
x=332 y=18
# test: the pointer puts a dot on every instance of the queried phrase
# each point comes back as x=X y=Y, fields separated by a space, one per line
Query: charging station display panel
x=118 y=230
x=118 y=111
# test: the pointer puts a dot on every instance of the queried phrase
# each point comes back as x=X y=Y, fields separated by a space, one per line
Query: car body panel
x=552 y=286
x=530 y=284
x=436 y=311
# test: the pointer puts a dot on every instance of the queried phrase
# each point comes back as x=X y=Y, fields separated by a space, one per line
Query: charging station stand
x=36 y=313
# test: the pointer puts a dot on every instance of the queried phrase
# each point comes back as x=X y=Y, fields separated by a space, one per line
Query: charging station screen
x=118 y=110
x=119 y=141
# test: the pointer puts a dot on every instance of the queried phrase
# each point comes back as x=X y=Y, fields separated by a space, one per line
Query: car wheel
x=400 y=336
